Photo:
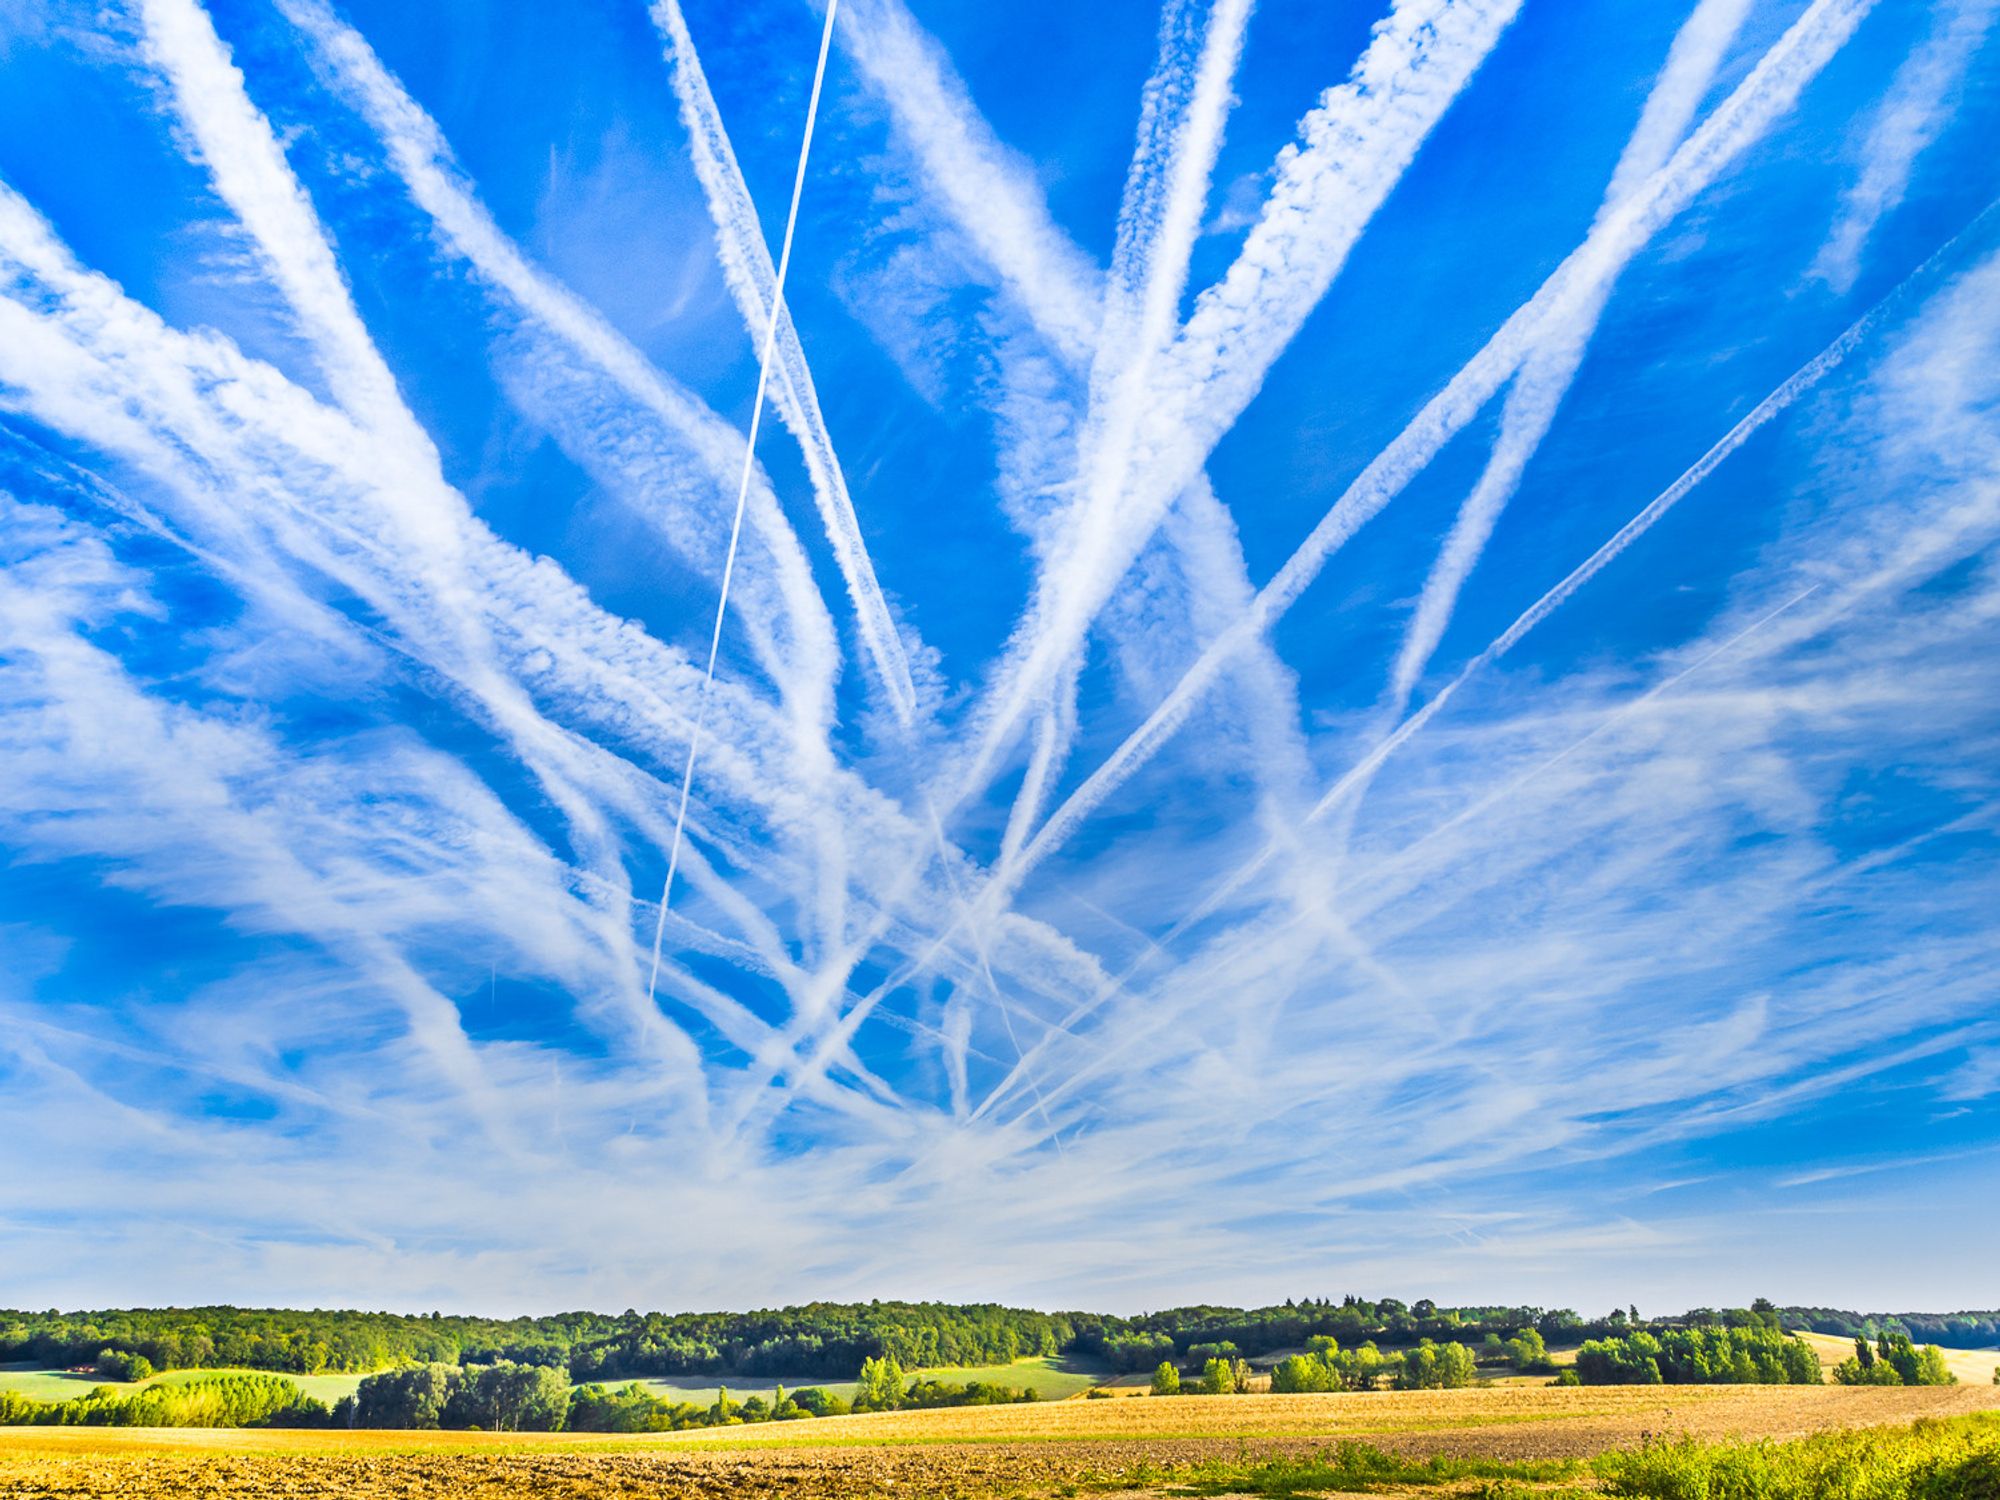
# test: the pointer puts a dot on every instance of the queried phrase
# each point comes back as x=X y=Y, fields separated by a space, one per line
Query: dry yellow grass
x=1971 y=1366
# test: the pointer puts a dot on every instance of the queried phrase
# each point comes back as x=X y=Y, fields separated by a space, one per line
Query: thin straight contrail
x=742 y=496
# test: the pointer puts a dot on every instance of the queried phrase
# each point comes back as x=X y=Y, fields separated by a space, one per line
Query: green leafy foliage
x=821 y=1338
x=1950 y=1460
x=1224 y=1377
x=1752 y=1354
x=1894 y=1360
x=210 y=1401
x=500 y=1397
x=123 y=1364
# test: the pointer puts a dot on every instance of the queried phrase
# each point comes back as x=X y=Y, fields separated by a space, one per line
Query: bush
x=1224 y=1377
x=1435 y=1367
x=1167 y=1380
x=1894 y=1360
x=123 y=1364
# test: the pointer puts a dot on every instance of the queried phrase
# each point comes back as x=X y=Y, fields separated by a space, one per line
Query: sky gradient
x=1362 y=655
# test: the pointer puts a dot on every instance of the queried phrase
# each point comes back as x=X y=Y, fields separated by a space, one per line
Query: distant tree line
x=830 y=1340
x=1957 y=1330
x=823 y=1339
x=1180 y=1335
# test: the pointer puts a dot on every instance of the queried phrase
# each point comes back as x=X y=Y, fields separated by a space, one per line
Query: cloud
x=331 y=807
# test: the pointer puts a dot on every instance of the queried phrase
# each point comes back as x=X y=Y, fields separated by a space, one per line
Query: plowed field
x=1018 y=1450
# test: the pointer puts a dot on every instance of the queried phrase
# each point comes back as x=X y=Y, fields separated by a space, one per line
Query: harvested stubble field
x=993 y=1451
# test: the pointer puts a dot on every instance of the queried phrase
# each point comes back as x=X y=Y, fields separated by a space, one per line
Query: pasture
x=1131 y=1446
x=1052 y=1379
x=61 y=1385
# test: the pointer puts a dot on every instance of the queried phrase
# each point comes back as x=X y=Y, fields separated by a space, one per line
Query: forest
x=831 y=1340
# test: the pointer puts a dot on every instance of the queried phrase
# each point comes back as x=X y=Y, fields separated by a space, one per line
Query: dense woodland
x=823 y=1340
x=830 y=1340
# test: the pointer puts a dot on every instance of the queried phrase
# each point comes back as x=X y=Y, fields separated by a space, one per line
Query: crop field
x=1128 y=1446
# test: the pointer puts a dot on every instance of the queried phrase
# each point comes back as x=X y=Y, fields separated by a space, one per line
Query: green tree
x=1217 y=1378
x=879 y=1386
x=1167 y=1379
x=509 y=1397
x=1298 y=1373
x=412 y=1398
x=123 y=1364
x=1455 y=1367
x=1528 y=1352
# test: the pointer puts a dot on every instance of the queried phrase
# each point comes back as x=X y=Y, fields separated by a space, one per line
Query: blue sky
x=1361 y=656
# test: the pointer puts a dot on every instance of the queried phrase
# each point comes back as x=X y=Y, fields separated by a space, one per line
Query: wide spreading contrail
x=746 y=265
x=1375 y=118
x=1356 y=146
x=742 y=493
x=1795 y=386
x=1791 y=63
x=1545 y=377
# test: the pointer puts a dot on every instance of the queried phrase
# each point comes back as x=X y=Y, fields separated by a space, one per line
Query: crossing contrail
x=1793 y=61
x=742 y=494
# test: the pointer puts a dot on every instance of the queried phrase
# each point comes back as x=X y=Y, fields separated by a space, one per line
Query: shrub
x=123 y=1364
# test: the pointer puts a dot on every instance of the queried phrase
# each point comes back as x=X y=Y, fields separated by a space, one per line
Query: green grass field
x=60 y=1385
x=1050 y=1378
x=41 y=1384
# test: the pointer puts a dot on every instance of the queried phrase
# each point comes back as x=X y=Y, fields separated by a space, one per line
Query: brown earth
x=1021 y=1450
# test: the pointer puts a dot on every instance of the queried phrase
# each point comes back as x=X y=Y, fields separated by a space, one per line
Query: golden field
x=1043 y=1449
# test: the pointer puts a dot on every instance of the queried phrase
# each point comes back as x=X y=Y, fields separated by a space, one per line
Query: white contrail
x=238 y=147
x=746 y=264
x=665 y=465
x=1777 y=79
x=134 y=387
x=992 y=193
x=1798 y=384
x=423 y=160
x=1184 y=108
x=742 y=490
x=1790 y=63
x=1409 y=73
x=1912 y=115
x=1186 y=105
x=1357 y=144
x=1550 y=368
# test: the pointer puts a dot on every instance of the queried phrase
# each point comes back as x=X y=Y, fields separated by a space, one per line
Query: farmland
x=60 y=1385
x=1117 y=1445
x=1050 y=1378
